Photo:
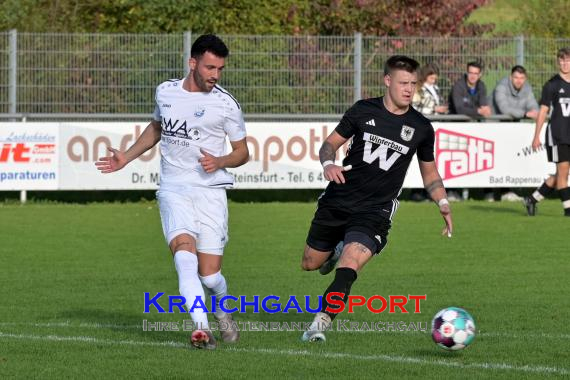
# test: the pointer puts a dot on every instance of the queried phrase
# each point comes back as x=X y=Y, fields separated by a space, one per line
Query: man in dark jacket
x=469 y=95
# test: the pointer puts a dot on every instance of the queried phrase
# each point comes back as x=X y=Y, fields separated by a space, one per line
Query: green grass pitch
x=73 y=278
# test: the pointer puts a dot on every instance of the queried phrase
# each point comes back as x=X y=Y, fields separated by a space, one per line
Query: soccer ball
x=453 y=329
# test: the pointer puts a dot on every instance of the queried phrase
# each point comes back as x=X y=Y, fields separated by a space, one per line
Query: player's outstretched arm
x=238 y=156
x=118 y=160
x=327 y=154
x=434 y=186
x=108 y=164
x=540 y=119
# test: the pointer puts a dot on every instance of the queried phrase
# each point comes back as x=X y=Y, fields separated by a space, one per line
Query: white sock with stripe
x=190 y=286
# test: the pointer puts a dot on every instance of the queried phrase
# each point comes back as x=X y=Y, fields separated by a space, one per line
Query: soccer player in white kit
x=192 y=118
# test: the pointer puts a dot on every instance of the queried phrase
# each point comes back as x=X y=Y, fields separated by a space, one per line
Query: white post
x=13 y=73
x=357 y=66
x=187 y=48
x=520 y=50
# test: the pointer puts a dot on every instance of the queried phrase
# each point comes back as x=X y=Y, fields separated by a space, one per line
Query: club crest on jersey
x=199 y=112
x=407 y=133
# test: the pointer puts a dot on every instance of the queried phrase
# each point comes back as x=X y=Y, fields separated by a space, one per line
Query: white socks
x=190 y=286
x=216 y=285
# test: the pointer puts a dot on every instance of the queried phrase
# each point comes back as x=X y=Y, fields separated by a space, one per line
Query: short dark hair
x=563 y=52
x=400 y=62
x=211 y=43
x=518 y=69
x=475 y=64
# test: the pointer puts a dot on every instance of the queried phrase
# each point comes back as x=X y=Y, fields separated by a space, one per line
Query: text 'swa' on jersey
x=556 y=94
x=382 y=147
x=192 y=121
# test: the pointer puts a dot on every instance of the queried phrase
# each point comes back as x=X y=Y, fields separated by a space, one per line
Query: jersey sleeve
x=235 y=125
x=546 y=98
x=425 y=149
x=156 y=114
x=347 y=125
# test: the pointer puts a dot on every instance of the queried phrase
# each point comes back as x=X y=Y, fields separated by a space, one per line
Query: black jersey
x=556 y=94
x=382 y=147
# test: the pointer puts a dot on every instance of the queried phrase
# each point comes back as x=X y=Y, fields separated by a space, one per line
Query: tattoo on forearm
x=326 y=152
x=437 y=184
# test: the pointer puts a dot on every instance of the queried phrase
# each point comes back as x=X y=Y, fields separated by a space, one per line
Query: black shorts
x=558 y=153
x=332 y=225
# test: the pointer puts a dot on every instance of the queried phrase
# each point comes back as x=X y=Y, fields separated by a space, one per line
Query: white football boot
x=315 y=332
x=228 y=328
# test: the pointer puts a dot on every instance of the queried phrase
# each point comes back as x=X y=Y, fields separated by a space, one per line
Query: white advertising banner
x=83 y=143
x=29 y=155
x=284 y=155
x=486 y=155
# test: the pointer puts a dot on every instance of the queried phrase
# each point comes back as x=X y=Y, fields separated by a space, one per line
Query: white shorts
x=201 y=213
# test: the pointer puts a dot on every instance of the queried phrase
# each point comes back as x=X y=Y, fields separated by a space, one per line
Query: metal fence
x=116 y=74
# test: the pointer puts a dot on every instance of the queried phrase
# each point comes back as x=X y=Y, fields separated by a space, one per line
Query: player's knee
x=182 y=242
x=561 y=181
x=213 y=280
x=182 y=246
x=308 y=264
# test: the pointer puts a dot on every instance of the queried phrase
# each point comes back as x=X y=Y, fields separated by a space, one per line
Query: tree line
x=286 y=17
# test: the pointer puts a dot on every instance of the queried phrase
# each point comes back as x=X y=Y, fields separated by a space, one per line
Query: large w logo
x=381 y=153
x=565 y=107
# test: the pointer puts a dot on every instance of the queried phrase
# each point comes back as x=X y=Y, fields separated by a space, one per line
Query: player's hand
x=536 y=143
x=532 y=114
x=334 y=172
x=209 y=163
x=445 y=211
x=111 y=163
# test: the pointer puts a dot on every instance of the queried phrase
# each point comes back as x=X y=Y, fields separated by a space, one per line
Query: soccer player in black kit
x=555 y=94
x=357 y=207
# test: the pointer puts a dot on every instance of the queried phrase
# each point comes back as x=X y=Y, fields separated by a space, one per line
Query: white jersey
x=192 y=121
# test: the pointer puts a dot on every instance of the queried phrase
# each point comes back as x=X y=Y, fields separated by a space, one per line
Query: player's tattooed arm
x=327 y=155
x=432 y=186
x=327 y=152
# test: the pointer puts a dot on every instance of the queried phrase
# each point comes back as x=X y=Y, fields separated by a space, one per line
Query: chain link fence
x=116 y=74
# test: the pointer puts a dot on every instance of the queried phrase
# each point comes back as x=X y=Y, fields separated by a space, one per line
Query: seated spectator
x=513 y=96
x=469 y=95
x=428 y=99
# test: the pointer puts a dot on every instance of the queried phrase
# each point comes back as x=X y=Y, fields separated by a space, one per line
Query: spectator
x=513 y=96
x=428 y=99
x=469 y=95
